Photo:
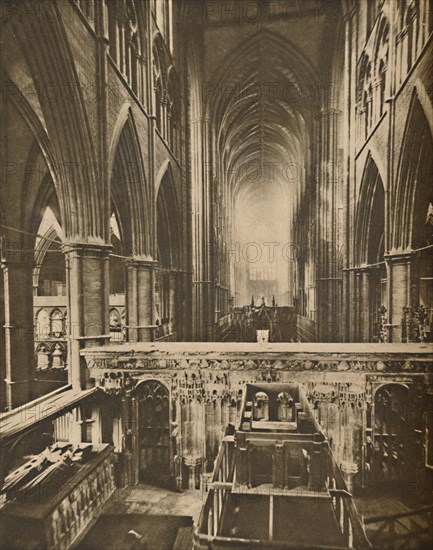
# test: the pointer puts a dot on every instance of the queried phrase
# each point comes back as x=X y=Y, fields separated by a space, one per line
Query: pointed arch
x=381 y=62
x=44 y=44
x=168 y=220
x=129 y=192
x=414 y=190
x=173 y=108
x=280 y=46
x=39 y=184
x=370 y=216
x=160 y=67
x=116 y=261
x=50 y=240
x=27 y=112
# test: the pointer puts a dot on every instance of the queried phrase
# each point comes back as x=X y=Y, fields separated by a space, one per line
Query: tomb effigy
x=53 y=496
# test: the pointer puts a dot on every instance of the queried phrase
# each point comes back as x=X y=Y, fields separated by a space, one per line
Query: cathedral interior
x=216 y=283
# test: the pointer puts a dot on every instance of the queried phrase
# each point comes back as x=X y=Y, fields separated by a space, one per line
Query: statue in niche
x=261 y=406
x=43 y=358
x=285 y=407
x=57 y=357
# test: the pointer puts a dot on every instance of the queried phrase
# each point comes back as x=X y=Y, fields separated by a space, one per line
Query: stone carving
x=137 y=365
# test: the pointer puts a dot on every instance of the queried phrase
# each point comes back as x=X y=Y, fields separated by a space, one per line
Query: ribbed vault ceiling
x=261 y=114
x=261 y=117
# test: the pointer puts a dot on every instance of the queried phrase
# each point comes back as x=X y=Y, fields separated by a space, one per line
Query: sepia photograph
x=216 y=274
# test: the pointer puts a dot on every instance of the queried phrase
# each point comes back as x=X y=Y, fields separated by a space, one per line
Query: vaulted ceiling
x=266 y=64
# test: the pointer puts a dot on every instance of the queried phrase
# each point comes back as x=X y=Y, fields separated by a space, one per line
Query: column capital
x=327 y=111
x=399 y=256
x=141 y=261
x=201 y=120
x=86 y=247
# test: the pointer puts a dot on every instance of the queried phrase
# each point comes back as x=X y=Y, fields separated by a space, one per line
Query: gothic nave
x=216 y=283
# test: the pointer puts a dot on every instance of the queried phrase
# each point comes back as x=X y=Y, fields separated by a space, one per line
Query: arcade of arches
x=176 y=173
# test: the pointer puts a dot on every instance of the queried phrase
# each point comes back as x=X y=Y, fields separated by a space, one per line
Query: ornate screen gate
x=154 y=433
x=394 y=436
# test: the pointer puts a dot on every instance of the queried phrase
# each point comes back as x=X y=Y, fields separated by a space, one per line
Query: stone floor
x=147 y=499
x=160 y=514
x=155 y=513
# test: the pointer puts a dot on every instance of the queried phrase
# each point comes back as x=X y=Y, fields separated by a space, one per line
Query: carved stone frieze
x=346 y=365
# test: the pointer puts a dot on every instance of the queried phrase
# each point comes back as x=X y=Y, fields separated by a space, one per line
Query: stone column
x=365 y=305
x=87 y=275
x=326 y=210
x=139 y=299
x=357 y=306
x=193 y=463
x=351 y=330
x=349 y=470
x=173 y=310
x=19 y=330
x=203 y=250
x=2 y=344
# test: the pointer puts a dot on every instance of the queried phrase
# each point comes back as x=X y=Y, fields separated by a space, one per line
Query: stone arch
x=31 y=118
x=52 y=237
x=364 y=93
x=116 y=314
x=168 y=234
x=414 y=191
x=160 y=381
x=370 y=216
x=126 y=24
x=117 y=257
x=369 y=249
x=234 y=117
x=42 y=324
x=154 y=449
x=173 y=107
x=412 y=25
x=129 y=190
x=57 y=323
x=381 y=50
x=384 y=384
x=279 y=45
x=168 y=221
x=44 y=44
x=160 y=80
x=394 y=440
x=261 y=406
x=36 y=184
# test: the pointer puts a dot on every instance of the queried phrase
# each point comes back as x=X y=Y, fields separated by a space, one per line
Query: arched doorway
x=154 y=433
x=393 y=435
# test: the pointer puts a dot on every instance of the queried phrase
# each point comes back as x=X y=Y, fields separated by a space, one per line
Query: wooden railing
x=391 y=531
x=344 y=507
x=212 y=516
x=172 y=337
x=219 y=487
